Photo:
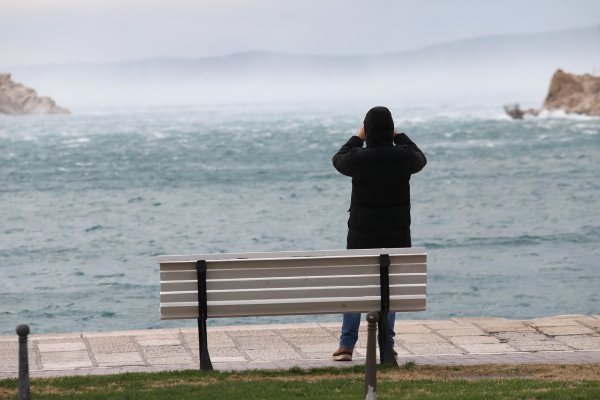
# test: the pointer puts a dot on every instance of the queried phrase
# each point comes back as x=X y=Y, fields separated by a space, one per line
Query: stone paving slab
x=457 y=341
x=58 y=346
x=65 y=360
x=112 y=344
x=565 y=330
x=119 y=359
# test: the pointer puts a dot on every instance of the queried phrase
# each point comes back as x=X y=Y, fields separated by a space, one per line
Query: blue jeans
x=350 y=329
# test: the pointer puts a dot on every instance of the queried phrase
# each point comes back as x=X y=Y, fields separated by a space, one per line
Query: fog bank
x=498 y=68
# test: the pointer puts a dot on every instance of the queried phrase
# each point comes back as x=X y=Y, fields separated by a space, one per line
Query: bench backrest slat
x=301 y=293
x=290 y=254
x=295 y=262
x=300 y=282
x=283 y=272
x=303 y=306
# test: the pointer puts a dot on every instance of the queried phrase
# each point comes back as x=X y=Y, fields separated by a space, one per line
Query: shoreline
x=565 y=339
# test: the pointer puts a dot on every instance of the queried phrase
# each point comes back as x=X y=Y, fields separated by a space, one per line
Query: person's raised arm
x=417 y=160
x=343 y=160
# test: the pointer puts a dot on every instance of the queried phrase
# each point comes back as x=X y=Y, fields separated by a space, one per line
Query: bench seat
x=203 y=286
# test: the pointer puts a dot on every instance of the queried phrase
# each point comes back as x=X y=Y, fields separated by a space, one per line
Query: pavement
x=565 y=339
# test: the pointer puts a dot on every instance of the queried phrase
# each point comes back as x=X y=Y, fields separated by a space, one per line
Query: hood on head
x=379 y=126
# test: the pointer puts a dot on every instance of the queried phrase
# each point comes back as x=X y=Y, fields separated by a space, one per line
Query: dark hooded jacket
x=380 y=204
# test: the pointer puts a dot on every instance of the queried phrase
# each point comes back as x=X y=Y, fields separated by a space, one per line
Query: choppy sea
x=509 y=210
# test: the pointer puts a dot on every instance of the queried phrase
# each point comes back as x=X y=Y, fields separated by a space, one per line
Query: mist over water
x=499 y=69
x=507 y=209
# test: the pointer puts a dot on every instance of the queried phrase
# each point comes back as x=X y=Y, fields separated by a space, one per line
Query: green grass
x=409 y=382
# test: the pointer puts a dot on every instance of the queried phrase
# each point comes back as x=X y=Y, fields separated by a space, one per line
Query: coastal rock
x=577 y=94
x=16 y=98
x=573 y=94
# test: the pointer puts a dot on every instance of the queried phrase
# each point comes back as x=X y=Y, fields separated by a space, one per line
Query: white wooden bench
x=292 y=283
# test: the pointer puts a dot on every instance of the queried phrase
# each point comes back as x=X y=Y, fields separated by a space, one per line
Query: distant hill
x=506 y=67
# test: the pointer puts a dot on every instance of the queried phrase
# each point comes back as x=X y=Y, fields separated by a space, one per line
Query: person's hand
x=361 y=133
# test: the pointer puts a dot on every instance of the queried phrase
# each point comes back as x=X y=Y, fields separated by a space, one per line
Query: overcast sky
x=63 y=31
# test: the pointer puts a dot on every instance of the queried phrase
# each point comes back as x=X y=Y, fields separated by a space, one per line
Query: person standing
x=380 y=201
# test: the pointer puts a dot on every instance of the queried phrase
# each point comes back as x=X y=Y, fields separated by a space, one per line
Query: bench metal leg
x=386 y=352
x=205 y=363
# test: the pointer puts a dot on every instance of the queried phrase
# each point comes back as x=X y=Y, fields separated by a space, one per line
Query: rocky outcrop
x=573 y=94
x=19 y=99
x=577 y=94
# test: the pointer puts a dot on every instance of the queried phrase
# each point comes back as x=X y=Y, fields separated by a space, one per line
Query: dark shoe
x=343 y=354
